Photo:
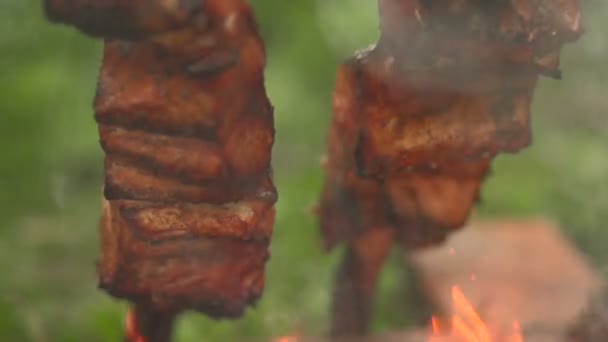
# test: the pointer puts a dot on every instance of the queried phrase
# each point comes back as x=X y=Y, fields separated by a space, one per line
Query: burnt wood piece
x=419 y=116
x=187 y=129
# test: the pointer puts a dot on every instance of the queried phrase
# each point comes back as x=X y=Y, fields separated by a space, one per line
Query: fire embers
x=187 y=130
x=419 y=116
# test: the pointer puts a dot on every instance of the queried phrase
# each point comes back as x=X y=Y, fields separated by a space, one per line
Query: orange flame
x=467 y=325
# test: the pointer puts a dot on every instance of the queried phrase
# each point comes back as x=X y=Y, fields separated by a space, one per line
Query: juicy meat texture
x=187 y=129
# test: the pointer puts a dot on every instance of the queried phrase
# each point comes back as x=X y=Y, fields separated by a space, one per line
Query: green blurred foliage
x=50 y=172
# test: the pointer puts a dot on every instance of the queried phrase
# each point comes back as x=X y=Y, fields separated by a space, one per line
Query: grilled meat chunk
x=417 y=120
x=187 y=130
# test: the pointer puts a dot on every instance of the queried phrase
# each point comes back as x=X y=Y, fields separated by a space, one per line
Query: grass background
x=50 y=171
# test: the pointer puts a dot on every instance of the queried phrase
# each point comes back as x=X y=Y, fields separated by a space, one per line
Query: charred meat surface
x=187 y=131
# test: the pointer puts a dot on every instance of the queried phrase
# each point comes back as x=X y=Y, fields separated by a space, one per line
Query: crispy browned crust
x=170 y=259
x=419 y=116
x=187 y=130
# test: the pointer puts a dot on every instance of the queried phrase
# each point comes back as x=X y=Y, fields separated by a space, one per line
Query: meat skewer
x=417 y=121
x=187 y=129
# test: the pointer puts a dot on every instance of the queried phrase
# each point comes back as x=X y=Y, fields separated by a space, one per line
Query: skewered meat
x=417 y=120
x=187 y=130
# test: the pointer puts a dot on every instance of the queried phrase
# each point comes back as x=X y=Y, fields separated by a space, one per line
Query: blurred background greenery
x=50 y=171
